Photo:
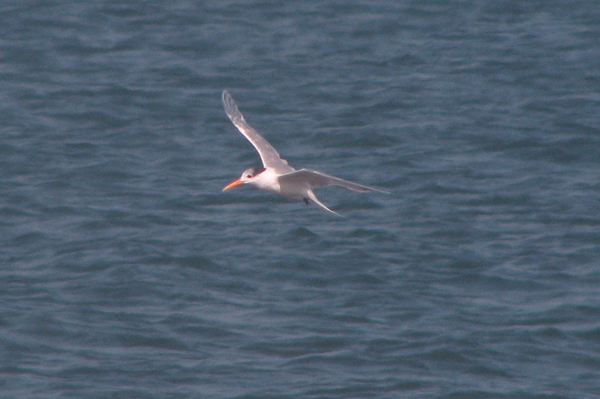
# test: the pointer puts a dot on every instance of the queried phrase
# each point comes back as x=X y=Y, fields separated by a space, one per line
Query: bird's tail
x=313 y=197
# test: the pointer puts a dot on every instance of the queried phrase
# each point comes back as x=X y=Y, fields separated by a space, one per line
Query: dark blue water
x=126 y=272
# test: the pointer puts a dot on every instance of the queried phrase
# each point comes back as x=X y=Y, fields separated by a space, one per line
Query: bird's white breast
x=267 y=181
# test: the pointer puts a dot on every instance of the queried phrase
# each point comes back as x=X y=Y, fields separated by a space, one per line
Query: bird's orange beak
x=233 y=184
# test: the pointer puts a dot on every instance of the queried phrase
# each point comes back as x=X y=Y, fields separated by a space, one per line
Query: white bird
x=276 y=175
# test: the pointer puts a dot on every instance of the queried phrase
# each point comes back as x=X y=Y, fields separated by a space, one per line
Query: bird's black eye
x=248 y=176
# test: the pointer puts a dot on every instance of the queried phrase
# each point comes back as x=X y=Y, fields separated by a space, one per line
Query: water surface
x=127 y=273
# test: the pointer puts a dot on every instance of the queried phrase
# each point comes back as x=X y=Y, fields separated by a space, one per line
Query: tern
x=276 y=176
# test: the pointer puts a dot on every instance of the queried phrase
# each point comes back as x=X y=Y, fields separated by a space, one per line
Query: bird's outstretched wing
x=269 y=156
x=316 y=179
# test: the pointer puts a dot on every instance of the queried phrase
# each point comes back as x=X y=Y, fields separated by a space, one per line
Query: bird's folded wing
x=316 y=179
x=269 y=156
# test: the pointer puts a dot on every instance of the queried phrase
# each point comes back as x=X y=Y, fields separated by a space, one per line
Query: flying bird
x=276 y=175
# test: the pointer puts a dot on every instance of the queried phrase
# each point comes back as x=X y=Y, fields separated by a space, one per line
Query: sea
x=126 y=272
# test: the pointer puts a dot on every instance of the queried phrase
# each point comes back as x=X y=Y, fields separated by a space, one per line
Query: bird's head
x=247 y=177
